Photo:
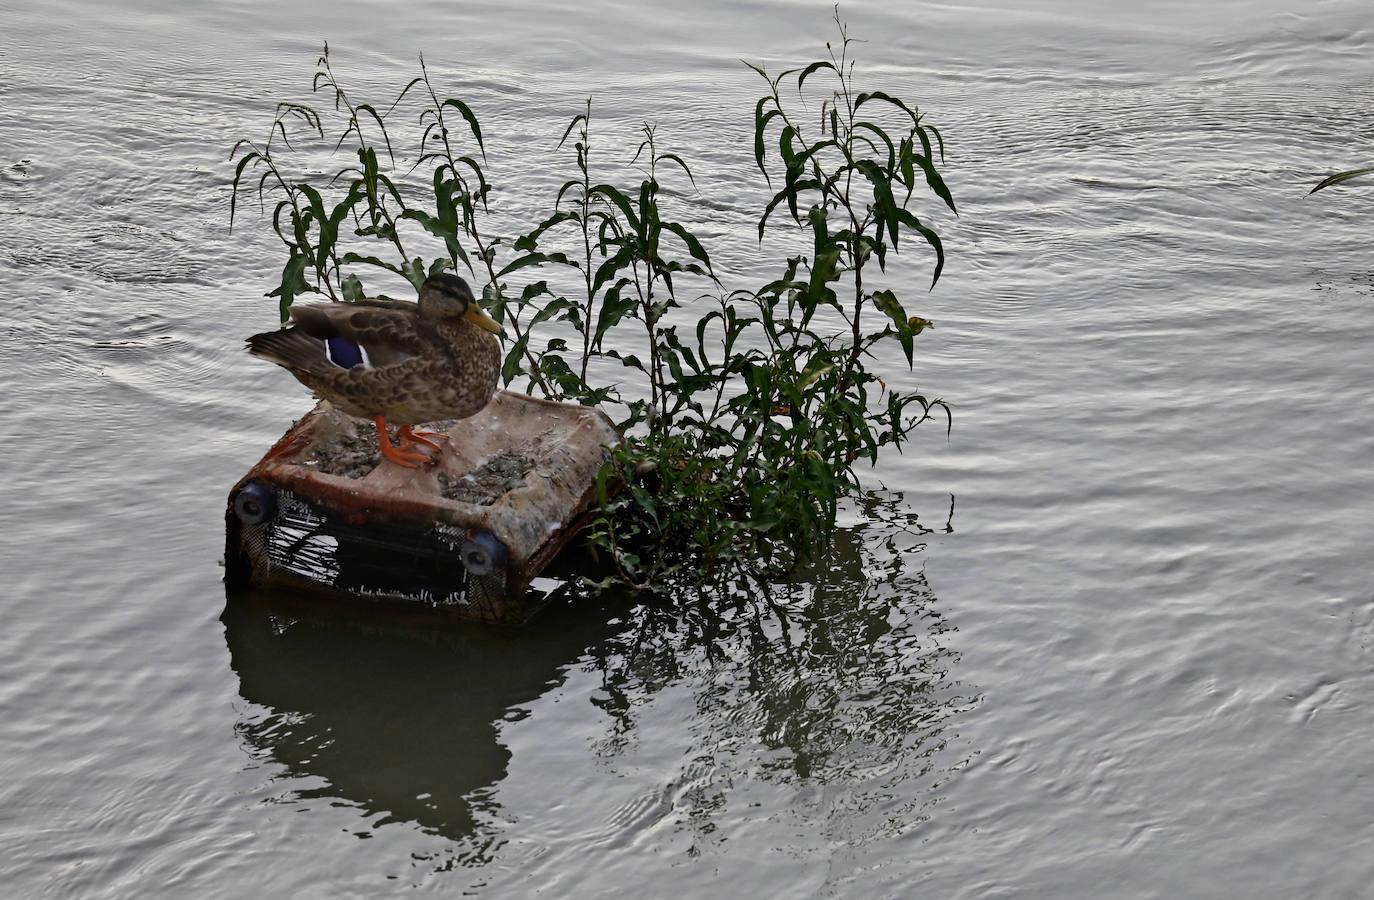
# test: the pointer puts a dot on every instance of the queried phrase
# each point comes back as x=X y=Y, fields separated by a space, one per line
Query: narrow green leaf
x=614 y=307
x=793 y=189
x=887 y=302
x=510 y=369
x=621 y=202
x=567 y=186
x=879 y=95
x=759 y=69
x=467 y=114
x=939 y=139
x=785 y=144
x=1340 y=178
x=694 y=246
x=293 y=283
x=367 y=108
x=909 y=219
x=530 y=242
x=580 y=117
x=760 y=135
x=608 y=269
x=674 y=158
x=629 y=360
x=907 y=164
x=530 y=259
x=248 y=158
x=937 y=184
x=351 y=258
x=414 y=272
x=555 y=307
x=887 y=142
x=815 y=66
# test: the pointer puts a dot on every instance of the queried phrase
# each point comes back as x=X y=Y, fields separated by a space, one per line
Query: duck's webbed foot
x=431 y=439
x=401 y=455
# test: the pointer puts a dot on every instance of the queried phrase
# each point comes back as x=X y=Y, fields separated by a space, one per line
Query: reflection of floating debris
x=378 y=705
x=512 y=485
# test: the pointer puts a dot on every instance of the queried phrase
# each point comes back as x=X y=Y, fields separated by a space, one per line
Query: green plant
x=626 y=255
x=772 y=405
x=1341 y=177
x=364 y=225
x=746 y=410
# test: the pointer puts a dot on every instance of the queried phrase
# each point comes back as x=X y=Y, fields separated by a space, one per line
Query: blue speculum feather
x=344 y=353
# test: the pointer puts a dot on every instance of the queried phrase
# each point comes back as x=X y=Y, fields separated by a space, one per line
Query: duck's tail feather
x=292 y=348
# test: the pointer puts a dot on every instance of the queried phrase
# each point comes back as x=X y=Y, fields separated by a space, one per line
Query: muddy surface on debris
x=349 y=455
x=496 y=477
x=355 y=455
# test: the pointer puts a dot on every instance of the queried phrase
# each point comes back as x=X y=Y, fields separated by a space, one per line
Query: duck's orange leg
x=428 y=438
x=399 y=455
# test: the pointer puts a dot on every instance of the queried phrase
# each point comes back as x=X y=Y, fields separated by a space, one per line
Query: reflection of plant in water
x=833 y=691
x=840 y=676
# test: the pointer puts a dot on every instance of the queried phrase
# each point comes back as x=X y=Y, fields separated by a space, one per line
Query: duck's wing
x=373 y=334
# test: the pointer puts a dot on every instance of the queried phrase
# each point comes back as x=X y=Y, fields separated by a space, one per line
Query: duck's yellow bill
x=477 y=316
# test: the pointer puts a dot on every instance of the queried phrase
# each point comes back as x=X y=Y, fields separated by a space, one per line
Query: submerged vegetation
x=749 y=407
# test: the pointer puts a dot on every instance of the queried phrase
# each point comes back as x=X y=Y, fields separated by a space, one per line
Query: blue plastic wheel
x=255 y=503
x=483 y=554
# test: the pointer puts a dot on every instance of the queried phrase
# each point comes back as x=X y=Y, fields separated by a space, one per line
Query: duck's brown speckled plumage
x=427 y=361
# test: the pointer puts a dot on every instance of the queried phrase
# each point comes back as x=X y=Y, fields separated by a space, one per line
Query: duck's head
x=446 y=296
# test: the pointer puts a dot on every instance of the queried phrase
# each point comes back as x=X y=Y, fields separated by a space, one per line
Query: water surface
x=1133 y=661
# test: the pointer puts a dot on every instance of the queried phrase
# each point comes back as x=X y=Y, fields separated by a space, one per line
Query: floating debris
x=509 y=487
x=354 y=454
x=499 y=475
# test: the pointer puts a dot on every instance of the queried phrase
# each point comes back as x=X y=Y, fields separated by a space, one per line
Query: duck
x=394 y=361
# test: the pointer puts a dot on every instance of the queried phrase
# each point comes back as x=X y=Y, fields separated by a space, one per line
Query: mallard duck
x=409 y=363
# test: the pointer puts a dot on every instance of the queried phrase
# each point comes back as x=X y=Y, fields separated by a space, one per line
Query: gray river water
x=1127 y=652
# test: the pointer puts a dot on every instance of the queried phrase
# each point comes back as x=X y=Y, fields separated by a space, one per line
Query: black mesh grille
x=377 y=559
